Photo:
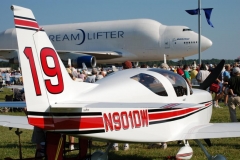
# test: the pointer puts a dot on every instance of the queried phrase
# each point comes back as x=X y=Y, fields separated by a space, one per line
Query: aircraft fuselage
x=134 y=40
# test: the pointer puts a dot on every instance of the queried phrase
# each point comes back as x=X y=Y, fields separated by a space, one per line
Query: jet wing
x=99 y=55
x=15 y=122
x=211 y=130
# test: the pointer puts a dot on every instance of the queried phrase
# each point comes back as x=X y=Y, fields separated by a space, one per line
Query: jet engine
x=77 y=59
x=90 y=61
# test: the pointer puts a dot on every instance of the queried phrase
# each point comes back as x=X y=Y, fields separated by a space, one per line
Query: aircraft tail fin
x=45 y=78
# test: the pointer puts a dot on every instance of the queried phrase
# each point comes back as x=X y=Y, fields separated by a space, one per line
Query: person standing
x=99 y=76
x=69 y=69
x=180 y=71
x=92 y=78
x=7 y=76
x=202 y=74
x=164 y=66
x=193 y=75
x=226 y=77
x=81 y=75
x=186 y=75
x=234 y=97
x=74 y=72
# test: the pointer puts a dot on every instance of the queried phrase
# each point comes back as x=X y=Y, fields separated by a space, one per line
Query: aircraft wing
x=99 y=55
x=211 y=130
x=15 y=122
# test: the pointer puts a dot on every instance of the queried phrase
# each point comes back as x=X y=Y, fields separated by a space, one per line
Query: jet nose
x=205 y=43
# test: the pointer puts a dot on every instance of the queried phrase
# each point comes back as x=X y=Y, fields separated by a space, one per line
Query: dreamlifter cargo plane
x=111 y=41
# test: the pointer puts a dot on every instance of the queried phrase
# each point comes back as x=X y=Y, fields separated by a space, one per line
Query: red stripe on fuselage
x=67 y=123
x=44 y=123
x=170 y=114
x=78 y=123
x=208 y=104
x=26 y=23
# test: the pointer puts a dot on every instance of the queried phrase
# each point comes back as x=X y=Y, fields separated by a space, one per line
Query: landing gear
x=99 y=155
x=185 y=152
x=209 y=157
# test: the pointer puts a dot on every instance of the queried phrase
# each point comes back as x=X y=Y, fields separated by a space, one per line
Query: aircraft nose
x=206 y=43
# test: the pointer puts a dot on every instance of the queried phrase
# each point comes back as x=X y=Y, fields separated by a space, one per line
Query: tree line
x=158 y=63
x=188 y=62
x=7 y=64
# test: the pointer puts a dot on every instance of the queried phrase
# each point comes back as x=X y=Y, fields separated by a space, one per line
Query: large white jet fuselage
x=116 y=41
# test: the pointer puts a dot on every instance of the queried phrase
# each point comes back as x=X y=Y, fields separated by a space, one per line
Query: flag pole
x=199 y=31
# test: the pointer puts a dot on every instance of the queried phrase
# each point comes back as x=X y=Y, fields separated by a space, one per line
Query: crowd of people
x=10 y=77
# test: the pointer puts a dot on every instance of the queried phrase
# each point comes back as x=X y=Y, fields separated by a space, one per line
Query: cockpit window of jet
x=187 y=29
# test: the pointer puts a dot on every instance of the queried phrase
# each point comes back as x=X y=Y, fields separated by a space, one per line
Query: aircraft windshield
x=187 y=29
x=151 y=83
x=178 y=82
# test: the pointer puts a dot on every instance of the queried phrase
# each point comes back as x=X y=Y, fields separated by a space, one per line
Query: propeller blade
x=213 y=76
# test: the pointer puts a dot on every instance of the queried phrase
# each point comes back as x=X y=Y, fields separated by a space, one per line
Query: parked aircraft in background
x=112 y=41
x=163 y=108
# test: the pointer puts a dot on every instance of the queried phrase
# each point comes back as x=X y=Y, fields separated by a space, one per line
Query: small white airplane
x=133 y=105
x=113 y=41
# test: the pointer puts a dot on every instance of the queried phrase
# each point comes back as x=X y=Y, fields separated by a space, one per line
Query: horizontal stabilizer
x=15 y=122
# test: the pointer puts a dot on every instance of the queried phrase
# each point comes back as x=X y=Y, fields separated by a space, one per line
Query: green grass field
x=229 y=147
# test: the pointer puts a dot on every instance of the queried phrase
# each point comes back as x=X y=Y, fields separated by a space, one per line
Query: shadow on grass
x=131 y=154
x=15 y=145
x=114 y=156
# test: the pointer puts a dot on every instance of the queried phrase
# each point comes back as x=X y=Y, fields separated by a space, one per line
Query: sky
x=225 y=35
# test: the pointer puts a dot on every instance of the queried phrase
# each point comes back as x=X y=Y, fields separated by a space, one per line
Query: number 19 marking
x=49 y=71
